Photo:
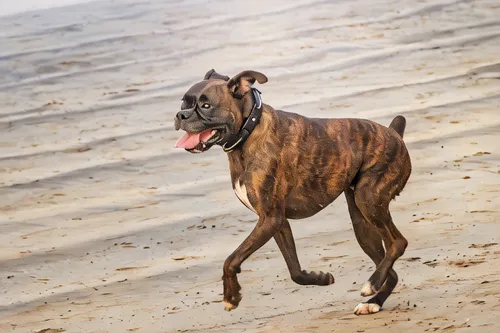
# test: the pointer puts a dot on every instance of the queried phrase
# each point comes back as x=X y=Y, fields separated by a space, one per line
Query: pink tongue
x=191 y=140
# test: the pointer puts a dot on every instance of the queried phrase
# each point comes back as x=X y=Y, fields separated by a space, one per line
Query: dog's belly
x=322 y=185
x=302 y=205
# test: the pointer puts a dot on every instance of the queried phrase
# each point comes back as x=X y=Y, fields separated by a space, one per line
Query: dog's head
x=213 y=109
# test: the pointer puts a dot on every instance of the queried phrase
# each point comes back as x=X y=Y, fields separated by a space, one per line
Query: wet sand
x=105 y=227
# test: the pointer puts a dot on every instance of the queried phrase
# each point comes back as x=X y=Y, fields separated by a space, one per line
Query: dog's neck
x=249 y=123
x=254 y=154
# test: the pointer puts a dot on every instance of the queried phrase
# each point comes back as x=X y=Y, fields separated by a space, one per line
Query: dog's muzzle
x=182 y=115
x=198 y=137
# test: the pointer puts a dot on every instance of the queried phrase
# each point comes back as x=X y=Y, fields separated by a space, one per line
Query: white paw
x=367 y=289
x=366 y=308
x=228 y=306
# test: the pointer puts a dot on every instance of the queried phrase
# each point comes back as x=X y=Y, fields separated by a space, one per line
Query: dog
x=285 y=166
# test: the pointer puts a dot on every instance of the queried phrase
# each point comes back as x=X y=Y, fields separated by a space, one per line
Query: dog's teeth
x=214 y=132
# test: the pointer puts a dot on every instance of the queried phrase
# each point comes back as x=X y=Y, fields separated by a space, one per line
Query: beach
x=107 y=228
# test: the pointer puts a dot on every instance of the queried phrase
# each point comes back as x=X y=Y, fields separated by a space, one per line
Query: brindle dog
x=285 y=166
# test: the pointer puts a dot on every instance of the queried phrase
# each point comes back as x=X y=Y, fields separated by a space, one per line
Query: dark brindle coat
x=291 y=167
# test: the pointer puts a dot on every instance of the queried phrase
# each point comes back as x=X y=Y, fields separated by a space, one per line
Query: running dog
x=285 y=166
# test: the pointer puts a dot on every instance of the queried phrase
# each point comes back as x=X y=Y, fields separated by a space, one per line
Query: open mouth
x=199 y=141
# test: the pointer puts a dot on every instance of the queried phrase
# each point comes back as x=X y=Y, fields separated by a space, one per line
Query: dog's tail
x=398 y=124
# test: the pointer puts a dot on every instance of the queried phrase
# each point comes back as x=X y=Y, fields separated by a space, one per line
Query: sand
x=105 y=227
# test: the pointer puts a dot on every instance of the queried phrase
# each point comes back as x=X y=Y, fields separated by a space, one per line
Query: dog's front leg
x=286 y=243
x=260 y=235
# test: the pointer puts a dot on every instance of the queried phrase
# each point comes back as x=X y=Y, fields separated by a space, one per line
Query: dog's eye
x=206 y=106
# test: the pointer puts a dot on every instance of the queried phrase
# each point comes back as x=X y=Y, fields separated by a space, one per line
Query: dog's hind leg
x=370 y=240
x=286 y=244
x=372 y=195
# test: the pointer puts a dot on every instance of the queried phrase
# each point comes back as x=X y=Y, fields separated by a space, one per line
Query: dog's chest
x=241 y=192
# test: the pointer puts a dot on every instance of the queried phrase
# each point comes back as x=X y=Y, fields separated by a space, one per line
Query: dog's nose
x=185 y=114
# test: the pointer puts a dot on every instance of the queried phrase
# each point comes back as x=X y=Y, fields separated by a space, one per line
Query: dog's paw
x=327 y=278
x=366 y=308
x=313 y=278
x=368 y=289
x=232 y=303
x=228 y=306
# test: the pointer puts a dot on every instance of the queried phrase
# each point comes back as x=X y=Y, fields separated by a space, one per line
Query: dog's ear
x=212 y=74
x=240 y=84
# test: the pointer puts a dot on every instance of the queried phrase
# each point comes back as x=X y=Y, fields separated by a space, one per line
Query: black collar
x=248 y=125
